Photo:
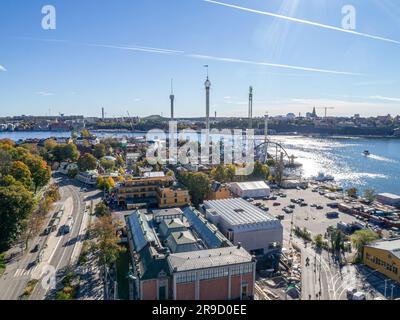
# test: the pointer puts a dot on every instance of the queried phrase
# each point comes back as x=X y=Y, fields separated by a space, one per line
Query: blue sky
x=96 y=57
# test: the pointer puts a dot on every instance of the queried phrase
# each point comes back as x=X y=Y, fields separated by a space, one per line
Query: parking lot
x=315 y=220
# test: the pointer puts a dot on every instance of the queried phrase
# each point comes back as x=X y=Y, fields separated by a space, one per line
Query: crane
x=326 y=110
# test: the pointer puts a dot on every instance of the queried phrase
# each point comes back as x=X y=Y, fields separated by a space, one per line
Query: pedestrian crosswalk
x=25 y=272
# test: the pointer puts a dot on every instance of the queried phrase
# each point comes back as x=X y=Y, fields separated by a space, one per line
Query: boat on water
x=322 y=177
x=366 y=153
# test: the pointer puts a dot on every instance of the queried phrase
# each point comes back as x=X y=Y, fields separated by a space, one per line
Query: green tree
x=360 y=238
x=16 y=204
x=87 y=162
x=337 y=242
x=41 y=172
x=102 y=209
x=106 y=247
x=108 y=165
x=65 y=152
x=198 y=185
x=319 y=240
x=99 y=150
x=261 y=171
x=219 y=173
x=85 y=134
x=370 y=195
x=120 y=162
x=21 y=173
x=352 y=192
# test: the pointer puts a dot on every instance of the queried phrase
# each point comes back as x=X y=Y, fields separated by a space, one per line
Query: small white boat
x=322 y=177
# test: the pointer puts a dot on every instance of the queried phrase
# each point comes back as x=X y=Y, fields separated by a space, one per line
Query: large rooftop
x=238 y=212
x=208 y=258
x=391 y=245
x=252 y=185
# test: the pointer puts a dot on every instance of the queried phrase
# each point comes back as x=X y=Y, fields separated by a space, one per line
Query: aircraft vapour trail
x=302 y=21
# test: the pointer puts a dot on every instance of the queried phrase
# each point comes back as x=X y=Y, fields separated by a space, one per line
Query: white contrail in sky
x=276 y=65
x=137 y=48
x=205 y=57
x=308 y=22
x=2 y=68
x=385 y=98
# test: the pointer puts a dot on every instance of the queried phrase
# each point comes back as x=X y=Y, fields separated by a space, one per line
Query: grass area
x=122 y=264
x=70 y=287
x=29 y=288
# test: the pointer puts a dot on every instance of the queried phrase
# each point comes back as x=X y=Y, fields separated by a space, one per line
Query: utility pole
x=207 y=85
x=172 y=98
x=386 y=286
x=250 y=107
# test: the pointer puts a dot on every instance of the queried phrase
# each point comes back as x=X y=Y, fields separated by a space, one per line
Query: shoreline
x=287 y=134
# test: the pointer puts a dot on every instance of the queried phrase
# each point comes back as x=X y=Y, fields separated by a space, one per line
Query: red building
x=214 y=269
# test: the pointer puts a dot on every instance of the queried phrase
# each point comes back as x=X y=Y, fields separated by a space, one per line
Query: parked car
x=303 y=204
x=291 y=206
x=332 y=215
x=319 y=207
x=287 y=210
x=276 y=204
x=35 y=248
x=280 y=217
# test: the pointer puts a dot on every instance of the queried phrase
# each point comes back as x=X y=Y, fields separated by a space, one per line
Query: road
x=57 y=250
x=322 y=279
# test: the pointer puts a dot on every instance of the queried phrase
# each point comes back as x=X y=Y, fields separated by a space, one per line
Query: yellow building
x=172 y=197
x=384 y=256
x=218 y=191
x=144 y=191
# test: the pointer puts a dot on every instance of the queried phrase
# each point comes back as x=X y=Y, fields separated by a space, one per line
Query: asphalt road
x=59 y=249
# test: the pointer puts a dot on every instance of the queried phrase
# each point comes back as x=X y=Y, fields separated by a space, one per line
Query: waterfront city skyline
x=101 y=57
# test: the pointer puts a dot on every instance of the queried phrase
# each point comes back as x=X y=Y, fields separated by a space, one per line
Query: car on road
x=35 y=248
x=249 y=199
x=359 y=296
x=68 y=226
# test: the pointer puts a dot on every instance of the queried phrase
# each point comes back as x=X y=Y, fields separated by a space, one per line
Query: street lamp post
x=386 y=286
x=391 y=296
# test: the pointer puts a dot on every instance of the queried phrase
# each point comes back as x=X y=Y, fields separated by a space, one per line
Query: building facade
x=158 y=190
x=384 y=257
